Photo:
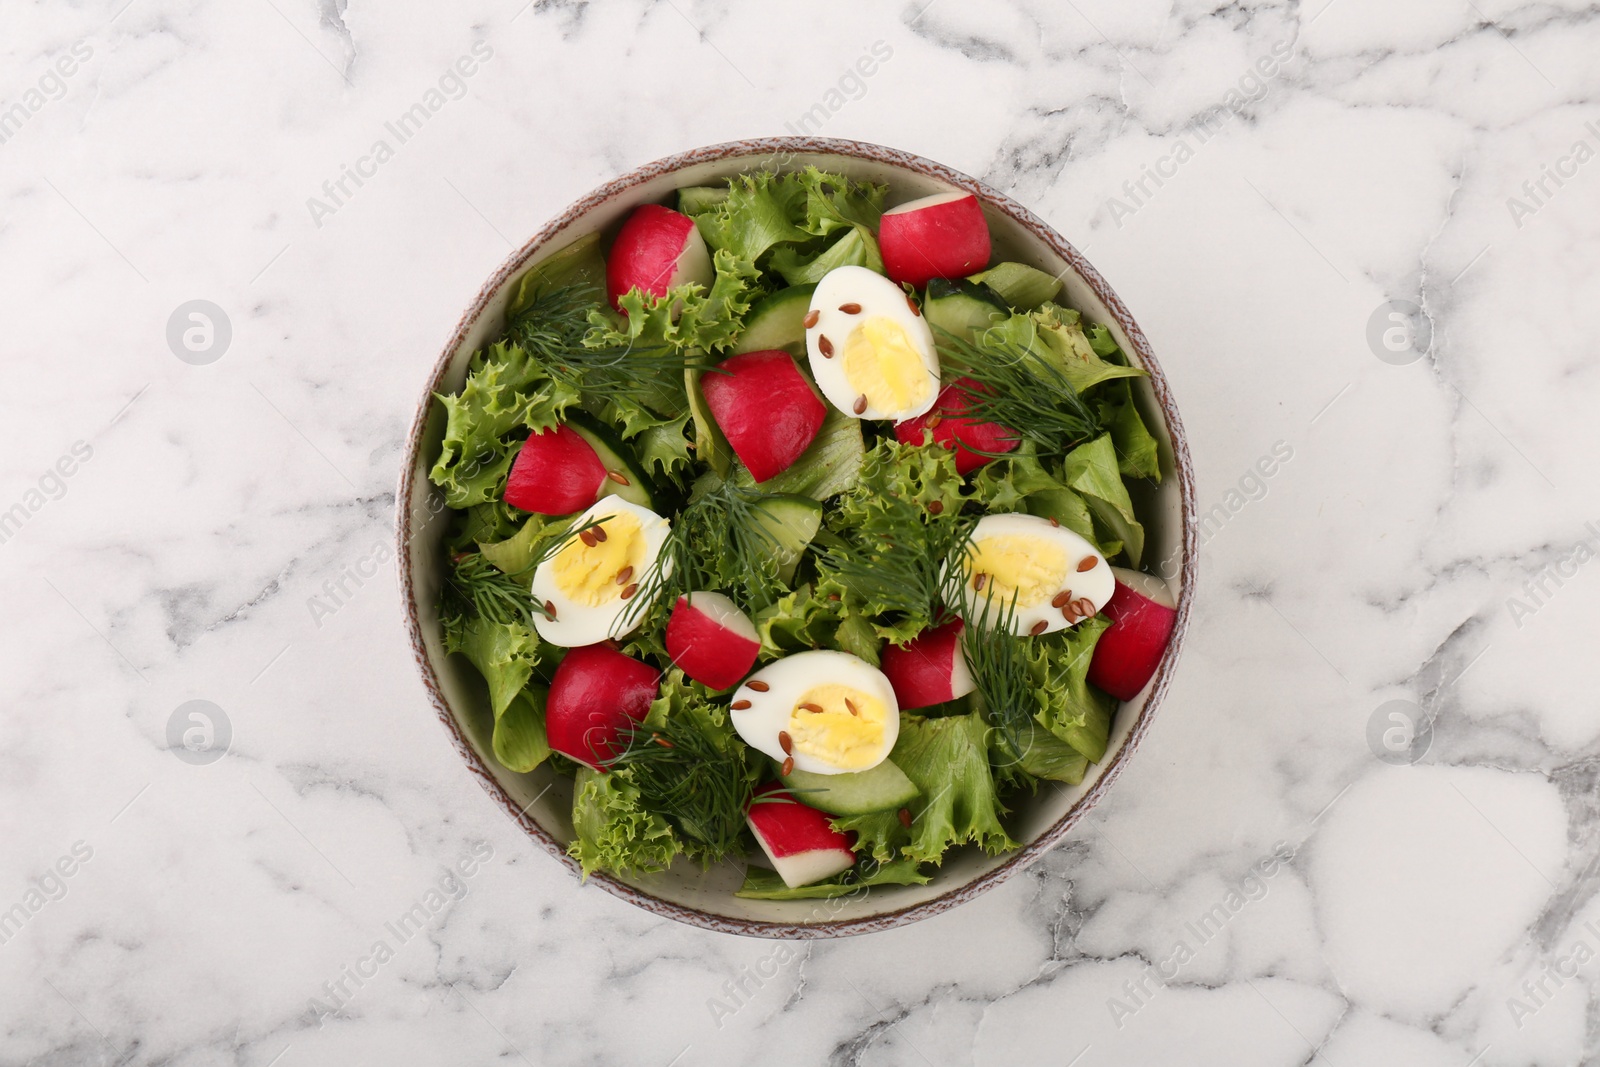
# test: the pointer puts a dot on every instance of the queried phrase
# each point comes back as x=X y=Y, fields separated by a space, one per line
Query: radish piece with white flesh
x=799 y=840
x=596 y=696
x=765 y=408
x=929 y=669
x=656 y=249
x=938 y=236
x=1142 y=614
x=953 y=428
x=711 y=640
x=556 y=473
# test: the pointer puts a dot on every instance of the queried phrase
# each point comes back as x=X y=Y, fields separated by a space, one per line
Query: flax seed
x=1068 y=614
x=935 y=507
x=934 y=421
x=618 y=477
x=851 y=705
x=1087 y=563
x=758 y=685
x=1054 y=522
x=825 y=346
x=904 y=815
x=1038 y=628
x=788 y=767
x=860 y=405
x=979 y=580
x=630 y=589
x=1061 y=599
x=811 y=319
x=662 y=741
x=739 y=705
x=785 y=742
x=814 y=709
x=550 y=610
x=623 y=575
x=599 y=533
x=850 y=308
x=588 y=538
x=914 y=309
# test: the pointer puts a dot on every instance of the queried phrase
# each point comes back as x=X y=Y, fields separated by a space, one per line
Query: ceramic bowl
x=540 y=802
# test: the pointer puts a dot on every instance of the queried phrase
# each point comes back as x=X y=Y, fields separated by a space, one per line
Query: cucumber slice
x=775 y=321
x=1019 y=285
x=883 y=788
x=962 y=307
x=710 y=445
x=579 y=263
x=791 y=521
x=698 y=199
x=617 y=457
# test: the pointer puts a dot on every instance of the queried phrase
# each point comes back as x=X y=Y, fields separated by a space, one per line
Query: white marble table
x=218 y=531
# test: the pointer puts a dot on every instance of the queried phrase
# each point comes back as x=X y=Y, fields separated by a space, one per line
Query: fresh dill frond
x=997 y=660
x=896 y=560
x=474 y=587
x=702 y=788
x=722 y=542
x=1022 y=390
x=553 y=328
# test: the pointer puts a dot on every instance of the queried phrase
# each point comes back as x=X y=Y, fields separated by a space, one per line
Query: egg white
x=581 y=624
x=789 y=679
x=1096 y=584
x=878 y=297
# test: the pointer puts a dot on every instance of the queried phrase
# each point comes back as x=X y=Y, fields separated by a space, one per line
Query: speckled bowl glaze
x=540 y=802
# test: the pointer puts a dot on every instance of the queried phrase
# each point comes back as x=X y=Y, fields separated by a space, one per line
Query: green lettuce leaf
x=505 y=653
x=519 y=738
x=505 y=390
x=1056 y=333
x=1068 y=706
x=760 y=212
x=687 y=317
x=1138 y=455
x=857 y=248
x=762 y=884
x=614 y=832
x=517 y=554
x=1092 y=469
x=834 y=202
x=1044 y=755
x=948 y=759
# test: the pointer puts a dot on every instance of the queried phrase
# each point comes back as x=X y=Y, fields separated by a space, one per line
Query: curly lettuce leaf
x=760 y=212
x=1043 y=756
x=1056 y=333
x=687 y=317
x=505 y=653
x=517 y=554
x=613 y=830
x=948 y=759
x=519 y=742
x=834 y=202
x=762 y=884
x=1067 y=705
x=506 y=390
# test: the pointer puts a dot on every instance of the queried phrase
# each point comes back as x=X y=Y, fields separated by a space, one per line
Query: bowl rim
x=778 y=147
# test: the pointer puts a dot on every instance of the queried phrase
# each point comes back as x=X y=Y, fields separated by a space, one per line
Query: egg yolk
x=882 y=364
x=1031 y=568
x=839 y=725
x=587 y=574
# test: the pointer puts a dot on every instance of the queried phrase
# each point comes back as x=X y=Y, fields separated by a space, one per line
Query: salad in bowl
x=792 y=532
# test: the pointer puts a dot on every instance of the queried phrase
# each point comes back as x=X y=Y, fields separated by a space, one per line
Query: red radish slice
x=765 y=408
x=929 y=669
x=955 y=430
x=597 y=694
x=1142 y=614
x=799 y=840
x=656 y=248
x=711 y=639
x=556 y=473
x=939 y=236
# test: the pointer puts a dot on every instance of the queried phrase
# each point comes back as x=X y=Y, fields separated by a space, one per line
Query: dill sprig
x=476 y=587
x=1022 y=390
x=998 y=662
x=898 y=558
x=683 y=774
x=720 y=541
x=552 y=330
